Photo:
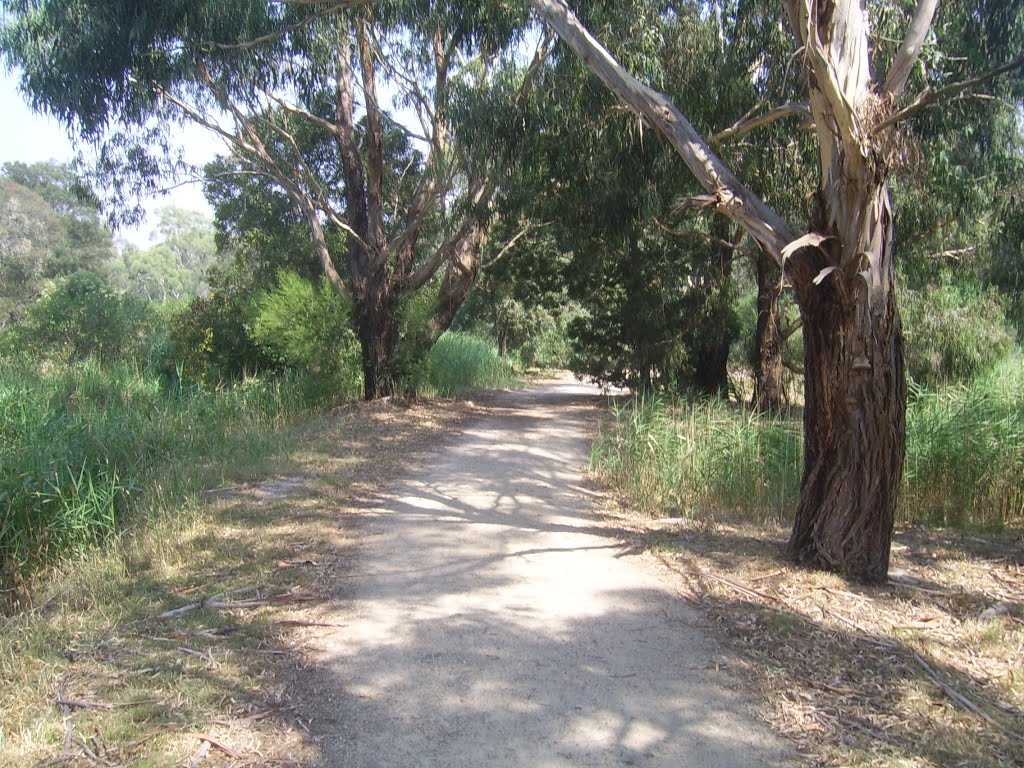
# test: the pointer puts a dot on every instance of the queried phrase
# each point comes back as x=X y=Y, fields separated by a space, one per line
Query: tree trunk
x=768 y=390
x=711 y=361
x=854 y=418
x=459 y=278
x=377 y=326
x=842 y=271
x=711 y=376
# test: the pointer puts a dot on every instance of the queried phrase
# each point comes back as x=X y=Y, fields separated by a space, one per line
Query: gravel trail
x=491 y=620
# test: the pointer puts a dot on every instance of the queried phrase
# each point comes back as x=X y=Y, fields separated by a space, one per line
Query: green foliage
x=459 y=363
x=307 y=326
x=701 y=459
x=83 y=317
x=210 y=342
x=82 y=446
x=953 y=332
x=965 y=451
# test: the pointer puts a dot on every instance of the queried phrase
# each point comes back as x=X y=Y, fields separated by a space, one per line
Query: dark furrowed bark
x=377 y=326
x=768 y=391
x=854 y=422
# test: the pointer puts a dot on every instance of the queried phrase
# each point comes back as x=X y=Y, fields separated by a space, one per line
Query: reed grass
x=460 y=362
x=964 y=465
x=696 y=459
x=965 y=451
x=84 y=447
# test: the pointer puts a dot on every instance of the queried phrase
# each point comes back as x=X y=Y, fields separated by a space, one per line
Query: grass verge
x=459 y=363
x=108 y=666
x=964 y=465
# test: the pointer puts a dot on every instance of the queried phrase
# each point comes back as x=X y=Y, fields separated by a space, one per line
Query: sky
x=31 y=137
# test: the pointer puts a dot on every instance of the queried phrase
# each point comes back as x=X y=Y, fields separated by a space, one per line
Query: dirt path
x=491 y=620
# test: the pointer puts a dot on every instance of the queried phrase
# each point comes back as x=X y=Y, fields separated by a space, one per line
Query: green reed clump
x=965 y=451
x=692 y=459
x=459 y=362
x=81 y=444
x=964 y=465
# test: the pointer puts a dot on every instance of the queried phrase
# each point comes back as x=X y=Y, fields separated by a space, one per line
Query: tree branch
x=509 y=245
x=928 y=97
x=302 y=200
x=374 y=147
x=909 y=50
x=734 y=200
x=694 y=235
x=749 y=123
x=479 y=196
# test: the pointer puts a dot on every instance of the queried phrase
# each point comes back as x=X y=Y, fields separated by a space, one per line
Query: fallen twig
x=963 y=701
x=282 y=564
x=216 y=603
x=218 y=745
x=81 y=704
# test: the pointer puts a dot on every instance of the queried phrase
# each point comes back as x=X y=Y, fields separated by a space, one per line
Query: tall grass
x=965 y=451
x=697 y=459
x=964 y=467
x=81 y=445
x=459 y=362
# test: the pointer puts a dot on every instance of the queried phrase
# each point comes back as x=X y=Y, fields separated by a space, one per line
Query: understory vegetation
x=88 y=448
x=714 y=459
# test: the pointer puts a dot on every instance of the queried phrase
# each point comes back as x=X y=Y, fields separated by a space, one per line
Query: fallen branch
x=733 y=585
x=963 y=701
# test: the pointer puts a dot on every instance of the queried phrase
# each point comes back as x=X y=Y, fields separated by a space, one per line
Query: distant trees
x=50 y=226
x=174 y=267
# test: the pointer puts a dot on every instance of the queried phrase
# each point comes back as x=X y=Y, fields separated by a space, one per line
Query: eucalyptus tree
x=259 y=75
x=842 y=268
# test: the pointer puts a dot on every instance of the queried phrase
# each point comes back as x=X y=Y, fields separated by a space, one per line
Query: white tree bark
x=733 y=198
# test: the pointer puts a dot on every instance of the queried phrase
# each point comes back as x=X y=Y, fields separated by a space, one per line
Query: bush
x=210 y=344
x=305 y=325
x=953 y=333
x=83 y=317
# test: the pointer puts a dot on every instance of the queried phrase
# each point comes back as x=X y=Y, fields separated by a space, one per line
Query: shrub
x=83 y=317
x=307 y=327
x=210 y=344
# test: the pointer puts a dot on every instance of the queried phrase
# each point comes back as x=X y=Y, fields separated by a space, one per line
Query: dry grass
x=208 y=686
x=855 y=675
